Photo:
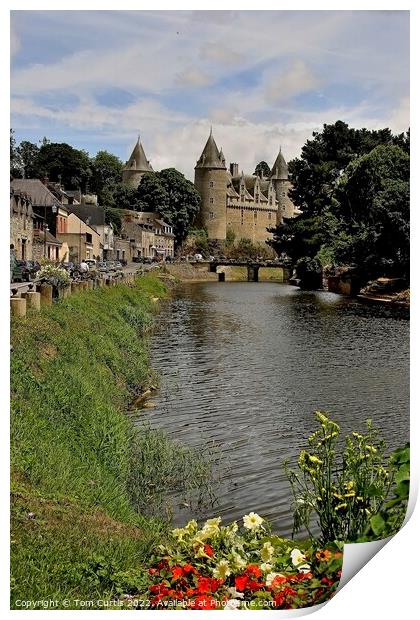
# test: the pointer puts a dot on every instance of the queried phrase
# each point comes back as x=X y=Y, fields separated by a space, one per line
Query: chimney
x=234 y=169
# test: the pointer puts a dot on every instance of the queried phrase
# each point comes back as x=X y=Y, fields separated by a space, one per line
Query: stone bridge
x=253 y=267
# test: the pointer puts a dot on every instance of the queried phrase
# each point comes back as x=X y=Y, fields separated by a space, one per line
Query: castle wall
x=211 y=185
x=250 y=222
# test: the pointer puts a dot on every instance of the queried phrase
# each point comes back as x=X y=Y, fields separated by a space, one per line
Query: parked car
x=147 y=260
x=102 y=266
x=69 y=266
x=137 y=259
x=169 y=259
x=91 y=262
x=118 y=265
x=110 y=265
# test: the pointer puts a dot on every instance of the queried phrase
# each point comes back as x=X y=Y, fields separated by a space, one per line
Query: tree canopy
x=262 y=169
x=351 y=186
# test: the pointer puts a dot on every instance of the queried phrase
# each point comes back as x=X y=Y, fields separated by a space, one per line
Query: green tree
x=15 y=161
x=174 y=197
x=28 y=153
x=123 y=196
x=374 y=198
x=262 y=169
x=62 y=161
x=106 y=173
x=334 y=225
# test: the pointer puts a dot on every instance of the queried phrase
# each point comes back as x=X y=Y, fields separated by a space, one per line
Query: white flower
x=191 y=526
x=267 y=551
x=222 y=570
x=252 y=521
x=232 y=603
x=298 y=559
x=270 y=577
x=210 y=527
x=266 y=568
x=234 y=593
x=178 y=533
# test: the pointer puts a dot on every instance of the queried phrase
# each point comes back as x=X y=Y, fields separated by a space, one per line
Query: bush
x=343 y=489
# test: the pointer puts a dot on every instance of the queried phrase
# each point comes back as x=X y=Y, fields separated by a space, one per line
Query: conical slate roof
x=280 y=169
x=138 y=160
x=211 y=156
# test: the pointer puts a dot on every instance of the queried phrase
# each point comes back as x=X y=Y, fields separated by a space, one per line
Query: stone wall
x=212 y=186
x=21 y=228
x=250 y=223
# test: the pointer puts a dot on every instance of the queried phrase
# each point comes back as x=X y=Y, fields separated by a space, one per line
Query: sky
x=260 y=79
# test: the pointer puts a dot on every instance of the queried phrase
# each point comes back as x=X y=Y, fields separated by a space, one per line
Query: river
x=243 y=367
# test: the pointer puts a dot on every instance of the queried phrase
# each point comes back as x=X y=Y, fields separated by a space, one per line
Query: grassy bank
x=79 y=479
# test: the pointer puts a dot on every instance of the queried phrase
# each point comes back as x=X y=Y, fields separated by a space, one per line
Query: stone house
x=21 y=224
x=50 y=218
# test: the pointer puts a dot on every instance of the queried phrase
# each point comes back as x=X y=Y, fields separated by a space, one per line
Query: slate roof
x=39 y=194
x=138 y=159
x=211 y=157
x=280 y=169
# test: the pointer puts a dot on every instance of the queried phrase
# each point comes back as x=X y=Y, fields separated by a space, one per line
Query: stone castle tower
x=136 y=166
x=280 y=179
x=241 y=203
x=211 y=182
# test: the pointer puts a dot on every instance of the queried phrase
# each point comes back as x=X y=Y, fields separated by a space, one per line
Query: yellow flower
x=238 y=562
x=252 y=521
x=267 y=552
x=340 y=507
x=178 y=533
x=191 y=526
x=315 y=459
x=222 y=570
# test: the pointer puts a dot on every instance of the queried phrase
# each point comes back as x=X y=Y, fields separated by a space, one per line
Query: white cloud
x=192 y=77
x=296 y=79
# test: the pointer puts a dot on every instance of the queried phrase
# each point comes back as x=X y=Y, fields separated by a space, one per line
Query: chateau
x=243 y=203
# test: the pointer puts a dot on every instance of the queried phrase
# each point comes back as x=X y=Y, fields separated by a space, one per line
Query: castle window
x=269 y=215
x=211 y=201
x=257 y=197
x=242 y=217
x=211 y=184
x=283 y=194
x=255 y=215
x=211 y=215
x=270 y=200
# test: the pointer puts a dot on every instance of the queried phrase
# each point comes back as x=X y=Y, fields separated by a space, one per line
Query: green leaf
x=403 y=473
x=377 y=524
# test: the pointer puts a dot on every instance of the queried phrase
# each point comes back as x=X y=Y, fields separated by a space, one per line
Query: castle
x=245 y=204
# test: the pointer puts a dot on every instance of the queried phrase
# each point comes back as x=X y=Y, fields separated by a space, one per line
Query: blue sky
x=96 y=79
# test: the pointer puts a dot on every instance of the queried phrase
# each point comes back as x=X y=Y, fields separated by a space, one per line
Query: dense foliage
x=352 y=187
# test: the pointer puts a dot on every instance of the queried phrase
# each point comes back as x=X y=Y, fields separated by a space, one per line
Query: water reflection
x=244 y=365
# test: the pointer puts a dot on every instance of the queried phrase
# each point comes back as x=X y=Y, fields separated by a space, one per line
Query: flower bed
x=232 y=567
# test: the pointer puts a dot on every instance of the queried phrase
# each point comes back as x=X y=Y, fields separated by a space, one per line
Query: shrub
x=343 y=489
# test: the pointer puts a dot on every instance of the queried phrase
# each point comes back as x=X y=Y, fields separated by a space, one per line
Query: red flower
x=190 y=592
x=241 y=582
x=254 y=571
x=255 y=585
x=177 y=572
x=279 y=599
x=153 y=571
x=327 y=582
x=279 y=580
x=188 y=568
x=208 y=550
x=203 y=584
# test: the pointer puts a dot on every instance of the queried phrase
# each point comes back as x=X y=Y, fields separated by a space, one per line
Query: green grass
x=78 y=464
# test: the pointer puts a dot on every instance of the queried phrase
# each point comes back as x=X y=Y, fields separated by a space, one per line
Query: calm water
x=244 y=365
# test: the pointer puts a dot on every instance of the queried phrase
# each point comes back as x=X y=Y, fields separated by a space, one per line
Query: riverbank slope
x=79 y=489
